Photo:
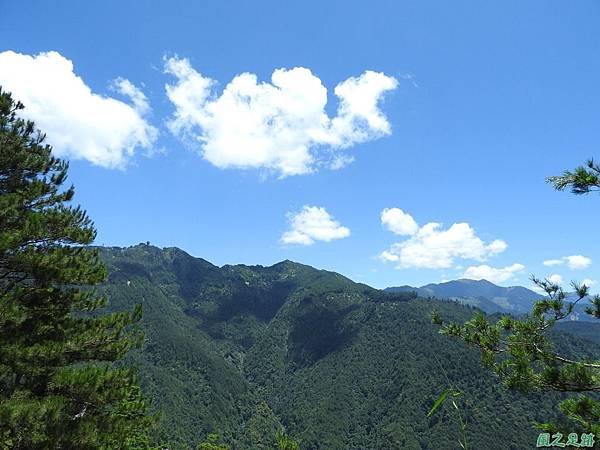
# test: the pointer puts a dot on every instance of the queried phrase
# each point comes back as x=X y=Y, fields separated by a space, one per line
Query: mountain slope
x=243 y=350
x=480 y=293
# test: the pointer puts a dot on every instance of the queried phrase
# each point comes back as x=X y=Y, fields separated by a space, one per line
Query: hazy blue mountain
x=480 y=293
x=490 y=297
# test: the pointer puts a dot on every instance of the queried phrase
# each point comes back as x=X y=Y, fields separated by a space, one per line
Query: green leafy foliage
x=440 y=400
x=213 y=442
x=452 y=395
x=59 y=387
x=285 y=442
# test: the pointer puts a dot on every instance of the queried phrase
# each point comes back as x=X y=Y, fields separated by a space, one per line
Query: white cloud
x=79 y=123
x=578 y=262
x=553 y=262
x=398 y=222
x=432 y=247
x=493 y=274
x=574 y=262
x=556 y=279
x=281 y=126
x=125 y=87
x=312 y=224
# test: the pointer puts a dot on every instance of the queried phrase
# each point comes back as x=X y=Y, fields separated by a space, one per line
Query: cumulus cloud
x=312 y=224
x=556 y=279
x=399 y=222
x=578 y=262
x=79 y=123
x=281 y=125
x=431 y=246
x=574 y=262
x=493 y=274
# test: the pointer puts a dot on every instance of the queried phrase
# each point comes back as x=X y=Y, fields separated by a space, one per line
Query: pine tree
x=59 y=385
x=520 y=350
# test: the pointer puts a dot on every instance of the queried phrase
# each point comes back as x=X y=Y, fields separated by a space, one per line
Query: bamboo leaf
x=439 y=401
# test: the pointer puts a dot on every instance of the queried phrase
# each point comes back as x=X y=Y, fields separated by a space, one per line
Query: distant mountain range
x=479 y=293
x=488 y=296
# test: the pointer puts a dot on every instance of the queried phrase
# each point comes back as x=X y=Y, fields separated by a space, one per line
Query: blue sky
x=472 y=104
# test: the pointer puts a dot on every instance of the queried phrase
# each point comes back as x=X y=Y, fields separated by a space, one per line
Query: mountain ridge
x=245 y=350
x=483 y=294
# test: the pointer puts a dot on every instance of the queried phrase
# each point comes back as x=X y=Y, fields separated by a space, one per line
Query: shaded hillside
x=242 y=350
x=585 y=330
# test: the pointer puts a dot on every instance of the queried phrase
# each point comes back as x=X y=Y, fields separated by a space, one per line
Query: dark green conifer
x=59 y=386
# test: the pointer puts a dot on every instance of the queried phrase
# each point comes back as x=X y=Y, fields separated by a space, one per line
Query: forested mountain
x=487 y=296
x=589 y=330
x=480 y=293
x=244 y=350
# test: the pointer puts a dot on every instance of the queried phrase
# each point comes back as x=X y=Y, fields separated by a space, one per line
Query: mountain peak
x=480 y=293
x=468 y=281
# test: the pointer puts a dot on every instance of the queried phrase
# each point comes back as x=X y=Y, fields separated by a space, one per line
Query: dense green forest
x=244 y=351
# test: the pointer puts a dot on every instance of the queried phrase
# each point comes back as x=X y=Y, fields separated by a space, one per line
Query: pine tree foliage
x=583 y=180
x=59 y=387
x=520 y=350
